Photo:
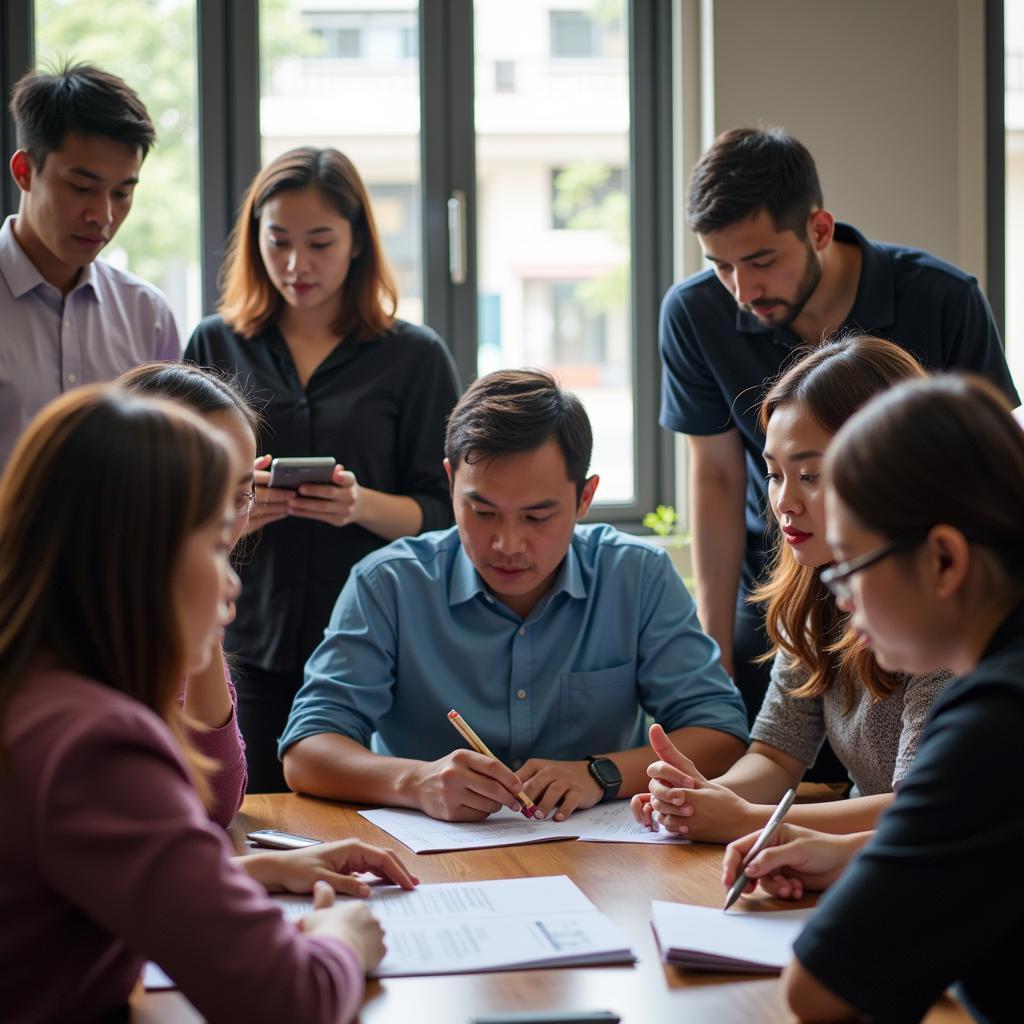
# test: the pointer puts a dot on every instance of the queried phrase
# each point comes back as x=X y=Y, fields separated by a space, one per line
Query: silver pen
x=766 y=833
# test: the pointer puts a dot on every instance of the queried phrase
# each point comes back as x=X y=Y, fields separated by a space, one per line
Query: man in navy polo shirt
x=785 y=275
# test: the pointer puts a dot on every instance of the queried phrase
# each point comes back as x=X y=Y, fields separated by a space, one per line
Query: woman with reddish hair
x=307 y=323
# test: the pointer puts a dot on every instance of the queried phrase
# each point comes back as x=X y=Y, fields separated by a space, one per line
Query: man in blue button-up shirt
x=550 y=638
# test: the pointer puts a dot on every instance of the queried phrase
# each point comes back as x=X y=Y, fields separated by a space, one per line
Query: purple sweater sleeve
x=226 y=746
x=124 y=838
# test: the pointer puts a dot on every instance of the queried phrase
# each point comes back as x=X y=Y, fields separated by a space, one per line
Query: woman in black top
x=307 y=325
x=925 y=508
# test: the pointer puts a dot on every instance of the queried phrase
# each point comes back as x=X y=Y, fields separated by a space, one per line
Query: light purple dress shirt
x=108 y=323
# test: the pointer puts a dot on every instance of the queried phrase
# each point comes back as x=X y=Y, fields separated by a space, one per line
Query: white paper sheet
x=464 y=927
x=505 y=924
x=608 y=823
x=707 y=939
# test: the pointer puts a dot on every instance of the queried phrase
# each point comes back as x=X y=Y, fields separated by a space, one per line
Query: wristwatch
x=606 y=775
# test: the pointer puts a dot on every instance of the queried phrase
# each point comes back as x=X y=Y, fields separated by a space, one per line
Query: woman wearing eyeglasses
x=925 y=502
x=208 y=698
x=824 y=682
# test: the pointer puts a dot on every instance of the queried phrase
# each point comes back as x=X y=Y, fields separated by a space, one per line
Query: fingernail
x=538 y=813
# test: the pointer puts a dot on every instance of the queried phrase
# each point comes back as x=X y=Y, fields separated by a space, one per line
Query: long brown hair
x=99 y=496
x=943 y=450
x=801 y=619
x=250 y=300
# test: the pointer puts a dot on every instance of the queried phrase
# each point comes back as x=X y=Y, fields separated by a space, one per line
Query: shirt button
x=517 y=764
x=67 y=323
x=489 y=599
x=521 y=694
x=522 y=631
x=72 y=378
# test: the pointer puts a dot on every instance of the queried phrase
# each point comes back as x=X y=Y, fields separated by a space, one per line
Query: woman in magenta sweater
x=116 y=519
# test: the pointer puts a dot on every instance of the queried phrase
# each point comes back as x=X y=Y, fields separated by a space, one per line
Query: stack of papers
x=605 y=823
x=466 y=927
x=502 y=925
x=705 y=939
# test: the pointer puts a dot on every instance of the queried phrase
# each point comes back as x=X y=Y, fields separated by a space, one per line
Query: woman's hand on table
x=353 y=923
x=298 y=871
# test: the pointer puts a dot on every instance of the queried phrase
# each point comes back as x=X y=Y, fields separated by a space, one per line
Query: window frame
x=228 y=87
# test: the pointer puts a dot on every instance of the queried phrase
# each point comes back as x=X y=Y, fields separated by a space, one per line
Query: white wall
x=887 y=94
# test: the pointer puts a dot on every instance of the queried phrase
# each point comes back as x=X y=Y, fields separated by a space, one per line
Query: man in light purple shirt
x=65 y=318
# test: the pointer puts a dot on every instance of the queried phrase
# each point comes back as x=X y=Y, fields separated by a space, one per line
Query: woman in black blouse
x=925 y=510
x=307 y=323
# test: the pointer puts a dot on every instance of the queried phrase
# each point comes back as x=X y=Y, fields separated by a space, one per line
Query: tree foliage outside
x=584 y=201
x=152 y=45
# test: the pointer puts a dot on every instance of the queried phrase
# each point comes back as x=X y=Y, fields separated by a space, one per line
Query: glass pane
x=346 y=75
x=153 y=48
x=552 y=151
x=1014 y=328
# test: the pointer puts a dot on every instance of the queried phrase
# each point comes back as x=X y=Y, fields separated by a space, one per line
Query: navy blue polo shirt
x=717 y=359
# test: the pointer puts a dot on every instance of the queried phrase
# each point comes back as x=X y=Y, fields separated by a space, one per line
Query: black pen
x=766 y=833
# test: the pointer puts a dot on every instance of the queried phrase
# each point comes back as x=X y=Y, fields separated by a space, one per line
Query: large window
x=553 y=222
x=153 y=48
x=526 y=219
x=346 y=75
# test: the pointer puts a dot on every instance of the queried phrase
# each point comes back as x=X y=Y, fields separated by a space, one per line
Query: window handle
x=457 y=236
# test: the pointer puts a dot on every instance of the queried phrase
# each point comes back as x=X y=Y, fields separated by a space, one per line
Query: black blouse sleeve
x=433 y=392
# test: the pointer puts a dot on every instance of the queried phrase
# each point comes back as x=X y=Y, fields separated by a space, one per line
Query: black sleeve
x=692 y=401
x=933 y=899
x=976 y=343
x=433 y=391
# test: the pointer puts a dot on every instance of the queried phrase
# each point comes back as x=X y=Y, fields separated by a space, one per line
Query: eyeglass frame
x=836 y=578
x=245 y=511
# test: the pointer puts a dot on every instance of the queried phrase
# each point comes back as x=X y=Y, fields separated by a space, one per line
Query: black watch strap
x=606 y=774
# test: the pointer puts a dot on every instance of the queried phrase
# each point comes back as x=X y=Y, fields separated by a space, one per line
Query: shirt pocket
x=599 y=710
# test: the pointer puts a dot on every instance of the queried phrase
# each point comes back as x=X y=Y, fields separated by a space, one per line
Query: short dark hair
x=511 y=411
x=752 y=169
x=80 y=99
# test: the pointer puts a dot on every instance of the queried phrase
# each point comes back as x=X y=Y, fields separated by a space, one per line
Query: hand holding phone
x=292 y=473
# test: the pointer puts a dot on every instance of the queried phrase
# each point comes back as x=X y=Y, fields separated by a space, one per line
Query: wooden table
x=621 y=879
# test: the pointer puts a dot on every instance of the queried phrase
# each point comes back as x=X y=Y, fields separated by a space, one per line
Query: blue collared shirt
x=415 y=632
x=49 y=343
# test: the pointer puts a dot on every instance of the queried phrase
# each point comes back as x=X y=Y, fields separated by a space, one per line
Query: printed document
x=605 y=823
x=465 y=927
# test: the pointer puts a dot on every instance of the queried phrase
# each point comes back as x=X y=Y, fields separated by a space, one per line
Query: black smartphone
x=291 y=473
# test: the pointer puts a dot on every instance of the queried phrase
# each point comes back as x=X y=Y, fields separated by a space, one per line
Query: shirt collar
x=22 y=275
x=874 y=307
x=466 y=582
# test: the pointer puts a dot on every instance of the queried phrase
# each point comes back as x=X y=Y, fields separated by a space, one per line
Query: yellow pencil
x=467 y=733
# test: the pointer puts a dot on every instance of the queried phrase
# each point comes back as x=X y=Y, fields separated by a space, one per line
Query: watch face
x=605 y=772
